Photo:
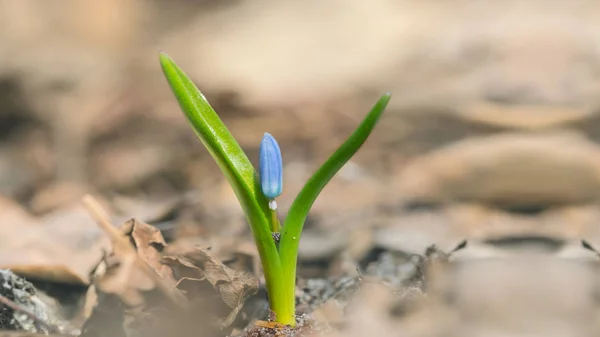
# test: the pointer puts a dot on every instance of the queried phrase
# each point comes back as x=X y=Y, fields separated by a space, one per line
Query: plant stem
x=275 y=222
x=294 y=222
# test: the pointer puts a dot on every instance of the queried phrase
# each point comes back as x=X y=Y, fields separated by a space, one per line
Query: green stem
x=294 y=222
x=275 y=221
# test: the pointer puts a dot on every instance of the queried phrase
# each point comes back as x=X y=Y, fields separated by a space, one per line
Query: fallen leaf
x=56 y=196
x=533 y=294
x=508 y=170
x=155 y=210
x=234 y=286
x=198 y=268
x=127 y=273
x=119 y=275
x=64 y=246
x=524 y=117
x=183 y=268
x=149 y=243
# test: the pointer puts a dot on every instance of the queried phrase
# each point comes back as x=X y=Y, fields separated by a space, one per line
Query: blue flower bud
x=271 y=167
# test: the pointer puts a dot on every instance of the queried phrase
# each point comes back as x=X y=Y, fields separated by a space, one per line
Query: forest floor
x=472 y=210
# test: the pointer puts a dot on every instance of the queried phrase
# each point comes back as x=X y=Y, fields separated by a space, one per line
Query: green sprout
x=256 y=194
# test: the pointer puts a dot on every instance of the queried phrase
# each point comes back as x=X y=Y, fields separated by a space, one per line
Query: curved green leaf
x=239 y=171
x=294 y=222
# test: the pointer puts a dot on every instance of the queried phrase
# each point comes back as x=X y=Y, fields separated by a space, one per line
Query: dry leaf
x=183 y=268
x=234 y=286
x=120 y=273
x=149 y=243
x=508 y=169
x=529 y=294
x=63 y=246
x=197 y=268
x=120 y=276
x=523 y=116
x=153 y=210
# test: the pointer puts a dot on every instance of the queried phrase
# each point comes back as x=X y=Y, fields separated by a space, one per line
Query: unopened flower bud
x=271 y=167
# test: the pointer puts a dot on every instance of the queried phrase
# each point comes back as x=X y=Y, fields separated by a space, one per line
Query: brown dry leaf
x=236 y=252
x=63 y=246
x=529 y=294
x=509 y=169
x=149 y=243
x=524 y=117
x=121 y=272
x=56 y=196
x=125 y=273
x=142 y=208
x=119 y=165
x=119 y=275
x=478 y=222
x=183 y=268
x=413 y=232
x=233 y=286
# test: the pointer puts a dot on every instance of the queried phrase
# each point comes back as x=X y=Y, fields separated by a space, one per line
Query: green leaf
x=294 y=222
x=239 y=171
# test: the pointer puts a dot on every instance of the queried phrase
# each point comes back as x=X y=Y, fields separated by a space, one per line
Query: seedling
x=277 y=245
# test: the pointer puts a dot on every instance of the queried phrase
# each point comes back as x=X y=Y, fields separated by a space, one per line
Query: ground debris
x=21 y=308
x=138 y=291
x=305 y=326
x=62 y=246
x=313 y=293
x=28 y=334
x=493 y=137
x=126 y=272
x=195 y=268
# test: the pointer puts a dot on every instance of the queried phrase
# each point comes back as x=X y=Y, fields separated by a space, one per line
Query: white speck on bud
x=272 y=205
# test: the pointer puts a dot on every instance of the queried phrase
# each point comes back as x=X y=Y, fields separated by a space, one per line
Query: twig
x=16 y=307
x=120 y=242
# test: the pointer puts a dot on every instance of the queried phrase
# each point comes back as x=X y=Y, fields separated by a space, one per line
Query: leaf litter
x=142 y=286
x=428 y=152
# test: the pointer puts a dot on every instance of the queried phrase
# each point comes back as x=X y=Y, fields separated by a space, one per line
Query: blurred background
x=493 y=120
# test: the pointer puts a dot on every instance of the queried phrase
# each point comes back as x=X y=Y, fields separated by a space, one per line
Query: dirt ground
x=472 y=210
